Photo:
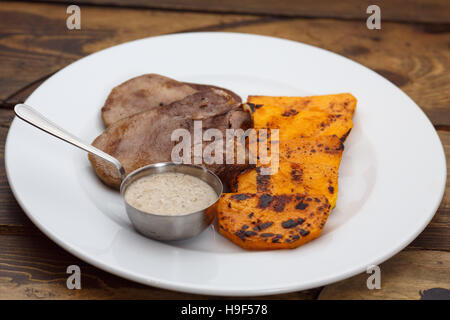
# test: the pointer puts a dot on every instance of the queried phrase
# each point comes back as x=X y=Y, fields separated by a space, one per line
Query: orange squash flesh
x=304 y=116
x=267 y=222
x=306 y=165
x=311 y=135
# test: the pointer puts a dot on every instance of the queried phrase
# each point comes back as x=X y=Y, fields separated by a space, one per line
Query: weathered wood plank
x=32 y=267
x=437 y=234
x=409 y=275
x=414 y=57
x=12 y=218
x=445 y=139
x=35 y=42
x=434 y=11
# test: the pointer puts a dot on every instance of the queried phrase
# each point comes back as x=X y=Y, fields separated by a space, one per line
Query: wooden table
x=411 y=50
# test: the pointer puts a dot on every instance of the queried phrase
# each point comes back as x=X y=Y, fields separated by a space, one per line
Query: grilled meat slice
x=147 y=92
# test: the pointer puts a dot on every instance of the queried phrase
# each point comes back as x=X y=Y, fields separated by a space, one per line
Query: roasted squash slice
x=291 y=206
x=304 y=116
x=266 y=222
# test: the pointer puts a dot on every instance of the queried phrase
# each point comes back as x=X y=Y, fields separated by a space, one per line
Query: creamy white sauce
x=170 y=194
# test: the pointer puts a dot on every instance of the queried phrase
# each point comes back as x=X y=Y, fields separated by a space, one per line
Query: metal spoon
x=154 y=226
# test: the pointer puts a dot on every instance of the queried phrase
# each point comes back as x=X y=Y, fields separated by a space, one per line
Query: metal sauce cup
x=176 y=227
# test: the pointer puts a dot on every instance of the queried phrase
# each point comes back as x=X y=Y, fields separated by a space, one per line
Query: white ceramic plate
x=391 y=180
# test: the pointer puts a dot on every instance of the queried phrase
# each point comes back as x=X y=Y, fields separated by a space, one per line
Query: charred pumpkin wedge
x=267 y=222
x=290 y=207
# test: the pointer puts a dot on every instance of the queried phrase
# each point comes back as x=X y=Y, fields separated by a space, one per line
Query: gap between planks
x=350 y=12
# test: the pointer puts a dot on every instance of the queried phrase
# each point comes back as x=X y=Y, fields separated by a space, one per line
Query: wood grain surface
x=434 y=11
x=32 y=267
x=34 y=43
x=437 y=234
x=408 y=275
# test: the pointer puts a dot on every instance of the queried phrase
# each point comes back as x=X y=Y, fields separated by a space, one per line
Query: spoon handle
x=28 y=114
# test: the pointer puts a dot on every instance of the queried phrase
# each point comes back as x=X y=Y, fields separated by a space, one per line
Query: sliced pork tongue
x=145 y=137
x=147 y=92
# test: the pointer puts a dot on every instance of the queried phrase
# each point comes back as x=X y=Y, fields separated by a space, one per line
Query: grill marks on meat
x=146 y=92
x=145 y=137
